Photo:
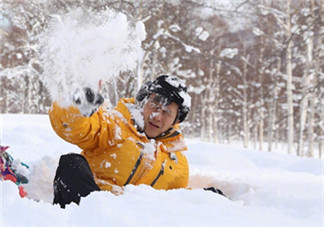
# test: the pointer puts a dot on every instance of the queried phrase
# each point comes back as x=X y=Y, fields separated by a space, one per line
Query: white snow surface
x=263 y=189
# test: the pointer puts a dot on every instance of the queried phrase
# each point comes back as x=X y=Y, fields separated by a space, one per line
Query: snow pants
x=73 y=180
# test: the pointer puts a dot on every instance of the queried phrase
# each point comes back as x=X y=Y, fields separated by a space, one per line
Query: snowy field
x=263 y=189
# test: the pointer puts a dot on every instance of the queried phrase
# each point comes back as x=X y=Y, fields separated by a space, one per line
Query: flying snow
x=83 y=47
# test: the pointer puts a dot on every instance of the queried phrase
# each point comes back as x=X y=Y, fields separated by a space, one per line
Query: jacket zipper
x=138 y=162
x=159 y=174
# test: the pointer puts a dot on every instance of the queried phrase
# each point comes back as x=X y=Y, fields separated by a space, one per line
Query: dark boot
x=73 y=180
x=215 y=190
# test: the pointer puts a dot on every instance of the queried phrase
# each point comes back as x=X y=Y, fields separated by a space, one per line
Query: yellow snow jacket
x=118 y=154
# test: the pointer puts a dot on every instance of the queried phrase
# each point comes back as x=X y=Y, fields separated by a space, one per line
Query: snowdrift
x=263 y=189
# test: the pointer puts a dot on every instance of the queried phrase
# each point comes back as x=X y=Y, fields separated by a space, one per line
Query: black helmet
x=172 y=89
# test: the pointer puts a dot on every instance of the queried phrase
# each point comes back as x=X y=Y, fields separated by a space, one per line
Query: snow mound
x=262 y=188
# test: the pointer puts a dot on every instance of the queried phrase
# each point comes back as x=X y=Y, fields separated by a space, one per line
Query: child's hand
x=88 y=101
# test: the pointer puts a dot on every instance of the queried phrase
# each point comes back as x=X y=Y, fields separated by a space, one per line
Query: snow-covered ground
x=263 y=189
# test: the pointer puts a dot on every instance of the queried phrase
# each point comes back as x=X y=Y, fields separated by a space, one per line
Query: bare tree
x=279 y=59
x=290 y=118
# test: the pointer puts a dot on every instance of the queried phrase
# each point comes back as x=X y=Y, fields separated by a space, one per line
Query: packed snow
x=263 y=189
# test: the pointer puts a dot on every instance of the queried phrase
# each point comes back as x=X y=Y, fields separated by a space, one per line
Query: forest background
x=254 y=68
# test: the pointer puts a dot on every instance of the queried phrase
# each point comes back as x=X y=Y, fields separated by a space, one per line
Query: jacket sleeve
x=86 y=132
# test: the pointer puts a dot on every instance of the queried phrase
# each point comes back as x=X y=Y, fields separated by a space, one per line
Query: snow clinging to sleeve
x=137 y=115
x=149 y=149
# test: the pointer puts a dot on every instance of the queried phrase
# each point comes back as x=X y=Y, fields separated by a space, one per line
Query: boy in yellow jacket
x=138 y=142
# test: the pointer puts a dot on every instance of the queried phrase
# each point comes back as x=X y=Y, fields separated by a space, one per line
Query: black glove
x=215 y=190
x=88 y=101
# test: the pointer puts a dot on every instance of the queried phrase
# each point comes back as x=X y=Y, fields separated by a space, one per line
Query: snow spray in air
x=81 y=48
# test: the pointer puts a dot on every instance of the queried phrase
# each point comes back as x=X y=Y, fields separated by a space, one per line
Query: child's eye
x=167 y=111
x=154 y=105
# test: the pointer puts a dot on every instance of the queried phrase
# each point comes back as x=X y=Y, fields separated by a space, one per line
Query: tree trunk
x=228 y=129
x=154 y=60
x=210 y=123
x=203 y=123
x=310 y=131
x=290 y=122
x=210 y=100
x=273 y=109
x=321 y=131
x=6 y=108
x=245 y=106
x=204 y=104
x=261 y=98
x=321 y=96
x=261 y=130
x=3 y=93
x=27 y=94
x=277 y=136
x=217 y=81
x=192 y=118
x=304 y=102
x=139 y=74
x=313 y=81
x=255 y=136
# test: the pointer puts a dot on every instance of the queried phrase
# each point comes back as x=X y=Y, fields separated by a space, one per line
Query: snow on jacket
x=118 y=154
